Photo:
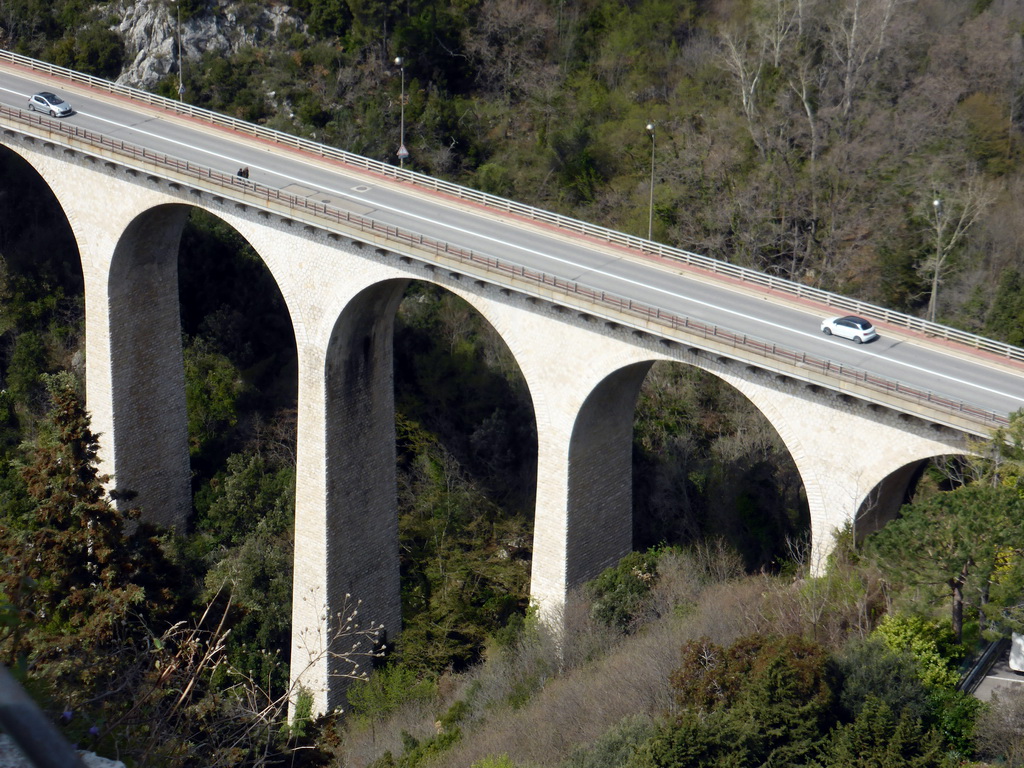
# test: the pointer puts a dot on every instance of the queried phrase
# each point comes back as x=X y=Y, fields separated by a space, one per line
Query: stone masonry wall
x=583 y=375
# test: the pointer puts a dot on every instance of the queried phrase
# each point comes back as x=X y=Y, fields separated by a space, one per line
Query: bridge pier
x=583 y=522
x=139 y=315
x=346 y=533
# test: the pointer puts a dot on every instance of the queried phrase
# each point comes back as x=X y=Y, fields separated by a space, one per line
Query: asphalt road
x=942 y=369
x=1000 y=679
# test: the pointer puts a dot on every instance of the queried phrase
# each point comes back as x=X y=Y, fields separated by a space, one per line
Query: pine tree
x=76 y=554
x=83 y=577
x=944 y=540
x=878 y=739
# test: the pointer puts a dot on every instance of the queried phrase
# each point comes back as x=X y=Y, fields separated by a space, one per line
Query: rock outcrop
x=149 y=29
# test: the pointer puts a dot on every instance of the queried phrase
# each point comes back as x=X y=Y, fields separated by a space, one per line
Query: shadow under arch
x=34 y=219
x=150 y=458
x=600 y=477
x=360 y=473
x=885 y=501
x=709 y=463
x=361 y=536
x=40 y=271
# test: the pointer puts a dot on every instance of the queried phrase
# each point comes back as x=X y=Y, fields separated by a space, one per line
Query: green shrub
x=619 y=593
x=870 y=670
x=501 y=761
x=616 y=746
x=956 y=714
x=386 y=690
x=931 y=645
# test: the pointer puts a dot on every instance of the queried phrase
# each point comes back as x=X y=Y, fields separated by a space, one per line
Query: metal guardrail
x=979 y=670
x=322 y=213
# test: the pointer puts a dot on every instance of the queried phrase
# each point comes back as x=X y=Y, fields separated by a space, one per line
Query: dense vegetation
x=808 y=139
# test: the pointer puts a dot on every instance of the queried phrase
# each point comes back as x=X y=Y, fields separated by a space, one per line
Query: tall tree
x=944 y=540
x=84 y=564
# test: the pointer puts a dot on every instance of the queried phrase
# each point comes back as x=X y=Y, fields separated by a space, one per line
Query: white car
x=849 y=327
x=50 y=103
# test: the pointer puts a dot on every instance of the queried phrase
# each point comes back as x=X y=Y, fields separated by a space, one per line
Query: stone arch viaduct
x=342 y=285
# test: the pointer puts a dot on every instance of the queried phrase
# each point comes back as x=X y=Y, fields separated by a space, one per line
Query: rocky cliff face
x=149 y=29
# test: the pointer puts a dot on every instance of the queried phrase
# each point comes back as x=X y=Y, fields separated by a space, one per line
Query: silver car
x=50 y=103
x=849 y=327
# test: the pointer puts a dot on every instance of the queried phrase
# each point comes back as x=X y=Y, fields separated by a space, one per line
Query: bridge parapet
x=611 y=308
x=636 y=245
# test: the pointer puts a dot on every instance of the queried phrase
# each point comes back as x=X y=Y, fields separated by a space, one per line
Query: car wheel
x=827 y=331
x=53 y=113
x=858 y=339
x=30 y=107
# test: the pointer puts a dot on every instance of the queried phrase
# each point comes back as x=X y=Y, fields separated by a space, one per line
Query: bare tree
x=856 y=39
x=185 y=701
x=744 y=58
x=953 y=211
x=777 y=22
x=1000 y=728
x=507 y=41
x=807 y=82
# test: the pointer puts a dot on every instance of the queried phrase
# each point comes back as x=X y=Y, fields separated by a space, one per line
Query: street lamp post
x=650 y=207
x=402 y=151
x=933 y=298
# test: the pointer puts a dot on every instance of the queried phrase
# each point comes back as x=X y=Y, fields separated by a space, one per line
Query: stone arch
x=576 y=381
x=127 y=232
x=139 y=321
x=845 y=449
x=726 y=491
x=359 y=462
x=353 y=528
x=882 y=503
x=584 y=520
